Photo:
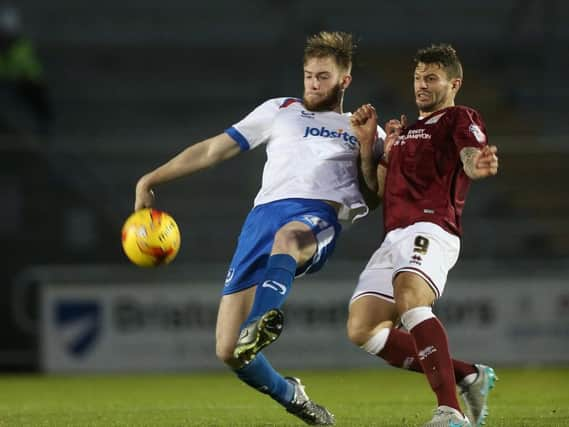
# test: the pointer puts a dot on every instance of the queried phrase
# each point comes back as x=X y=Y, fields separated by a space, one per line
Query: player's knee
x=405 y=302
x=287 y=240
x=298 y=243
x=411 y=291
x=224 y=353
x=410 y=301
x=358 y=330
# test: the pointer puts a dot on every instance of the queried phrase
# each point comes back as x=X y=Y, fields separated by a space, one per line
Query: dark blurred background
x=118 y=87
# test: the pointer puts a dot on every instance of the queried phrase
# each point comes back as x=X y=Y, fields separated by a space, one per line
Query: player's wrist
x=384 y=159
x=366 y=151
x=146 y=182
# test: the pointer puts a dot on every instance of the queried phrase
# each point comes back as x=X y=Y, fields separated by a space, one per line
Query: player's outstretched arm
x=196 y=157
x=479 y=163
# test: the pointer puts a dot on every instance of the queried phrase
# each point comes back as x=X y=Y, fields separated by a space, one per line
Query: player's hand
x=144 y=196
x=364 y=125
x=393 y=129
x=486 y=161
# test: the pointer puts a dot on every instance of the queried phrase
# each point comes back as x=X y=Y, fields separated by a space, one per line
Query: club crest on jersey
x=349 y=141
x=307 y=114
x=315 y=221
x=477 y=132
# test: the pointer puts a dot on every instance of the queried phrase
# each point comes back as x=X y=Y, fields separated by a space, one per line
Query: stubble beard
x=427 y=108
x=438 y=102
x=329 y=103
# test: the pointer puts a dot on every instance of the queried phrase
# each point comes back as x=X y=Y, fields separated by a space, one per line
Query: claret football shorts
x=423 y=248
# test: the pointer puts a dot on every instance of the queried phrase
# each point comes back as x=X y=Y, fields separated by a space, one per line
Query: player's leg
x=302 y=245
x=414 y=298
x=259 y=374
x=232 y=312
x=423 y=258
x=373 y=313
x=369 y=329
x=293 y=246
x=294 y=243
x=254 y=263
x=245 y=271
x=370 y=321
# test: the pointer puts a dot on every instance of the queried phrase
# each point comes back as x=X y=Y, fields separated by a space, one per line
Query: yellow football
x=150 y=237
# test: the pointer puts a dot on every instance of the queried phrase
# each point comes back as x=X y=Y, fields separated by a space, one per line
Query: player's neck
x=340 y=107
x=423 y=113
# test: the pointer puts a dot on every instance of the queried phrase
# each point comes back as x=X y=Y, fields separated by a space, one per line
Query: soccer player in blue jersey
x=310 y=182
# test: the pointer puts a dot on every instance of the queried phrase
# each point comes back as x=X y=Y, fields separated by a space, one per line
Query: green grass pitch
x=382 y=397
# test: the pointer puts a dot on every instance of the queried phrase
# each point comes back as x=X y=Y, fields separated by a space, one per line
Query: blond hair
x=337 y=44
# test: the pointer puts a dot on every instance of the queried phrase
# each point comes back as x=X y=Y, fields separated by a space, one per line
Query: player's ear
x=346 y=80
x=456 y=84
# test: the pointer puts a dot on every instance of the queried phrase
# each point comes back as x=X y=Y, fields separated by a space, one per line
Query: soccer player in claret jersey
x=423 y=179
x=310 y=182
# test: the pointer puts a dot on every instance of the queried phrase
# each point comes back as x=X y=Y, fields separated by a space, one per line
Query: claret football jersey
x=425 y=179
x=310 y=155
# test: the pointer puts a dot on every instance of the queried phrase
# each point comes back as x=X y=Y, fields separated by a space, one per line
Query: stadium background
x=135 y=82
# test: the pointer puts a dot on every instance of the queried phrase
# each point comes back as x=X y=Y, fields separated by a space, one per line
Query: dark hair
x=336 y=44
x=442 y=54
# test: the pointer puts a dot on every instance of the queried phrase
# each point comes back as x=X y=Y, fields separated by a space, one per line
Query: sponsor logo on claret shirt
x=417 y=134
x=413 y=134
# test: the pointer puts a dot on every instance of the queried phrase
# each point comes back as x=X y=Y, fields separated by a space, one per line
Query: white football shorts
x=423 y=248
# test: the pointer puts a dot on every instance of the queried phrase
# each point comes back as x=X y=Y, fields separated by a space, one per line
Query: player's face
x=433 y=88
x=324 y=84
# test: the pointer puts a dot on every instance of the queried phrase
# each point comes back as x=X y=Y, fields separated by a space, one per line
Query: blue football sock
x=260 y=375
x=273 y=290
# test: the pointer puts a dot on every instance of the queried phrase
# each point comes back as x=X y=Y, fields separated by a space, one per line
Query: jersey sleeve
x=255 y=128
x=469 y=129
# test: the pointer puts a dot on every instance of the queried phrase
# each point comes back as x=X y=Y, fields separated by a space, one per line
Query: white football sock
x=414 y=316
x=376 y=343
